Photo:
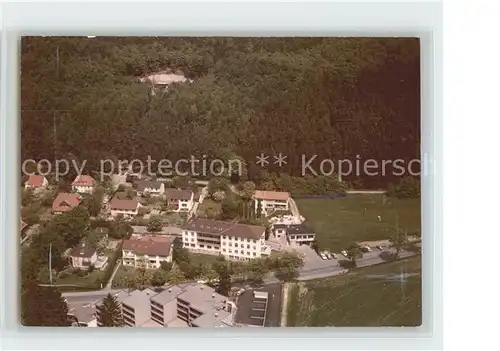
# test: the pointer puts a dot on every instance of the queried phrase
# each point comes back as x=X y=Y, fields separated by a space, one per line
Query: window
x=192 y=245
x=235 y=245
x=230 y=251
x=248 y=253
x=230 y=244
x=223 y=250
x=254 y=254
x=255 y=247
x=248 y=246
x=242 y=252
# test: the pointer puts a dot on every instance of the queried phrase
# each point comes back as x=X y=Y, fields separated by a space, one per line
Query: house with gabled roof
x=149 y=187
x=179 y=200
x=271 y=201
x=83 y=184
x=65 y=202
x=36 y=182
x=124 y=207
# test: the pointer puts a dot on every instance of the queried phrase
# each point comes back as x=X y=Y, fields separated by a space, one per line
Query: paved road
x=87 y=297
x=365 y=192
x=110 y=282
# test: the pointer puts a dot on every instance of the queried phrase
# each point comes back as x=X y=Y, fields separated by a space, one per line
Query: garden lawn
x=92 y=280
x=341 y=221
x=383 y=295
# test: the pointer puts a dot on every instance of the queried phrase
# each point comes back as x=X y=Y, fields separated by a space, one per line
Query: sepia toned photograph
x=178 y=182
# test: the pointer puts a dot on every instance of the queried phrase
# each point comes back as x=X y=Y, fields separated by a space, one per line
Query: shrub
x=347 y=264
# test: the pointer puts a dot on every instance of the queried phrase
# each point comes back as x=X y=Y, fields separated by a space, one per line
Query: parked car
x=344 y=253
x=334 y=256
x=323 y=256
x=328 y=255
x=241 y=291
x=366 y=249
x=380 y=247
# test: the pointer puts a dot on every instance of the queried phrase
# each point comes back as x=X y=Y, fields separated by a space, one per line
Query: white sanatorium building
x=234 y=241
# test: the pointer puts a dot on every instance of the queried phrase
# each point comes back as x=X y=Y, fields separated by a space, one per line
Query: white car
x=328 y=255
x=334 y=256
x=344 y=253
x=380 y=247
x=368 y=249
x=323 y=256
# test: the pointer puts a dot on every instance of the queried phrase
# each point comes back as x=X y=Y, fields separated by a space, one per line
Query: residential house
x=188 y=305
x=125 y=207
x=179 y=200
x=271 y=201
x=65 y=202
x=148 y=250
x=294 y=233
x=234 y=241
x=82 y=256
x=36 y=182
x=83 y=184
x=149 y=187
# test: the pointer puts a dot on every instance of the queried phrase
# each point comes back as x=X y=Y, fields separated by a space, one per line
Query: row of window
x=254 y=254
x=225 y=237
x=294 y=237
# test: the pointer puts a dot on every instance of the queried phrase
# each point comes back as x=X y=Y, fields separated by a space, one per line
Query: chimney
x=213 y=296
x=215 y=314
x=169 y=290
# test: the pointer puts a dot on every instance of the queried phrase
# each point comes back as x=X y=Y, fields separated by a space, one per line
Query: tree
x=248 y=190
x=43 y=306
x=26 y=197
x=181 y=182
x=71 y=226
x=159 y=277
x=257 y=270
x=259 y=209
x=166 y=266
x=224 y=283
x=175 y=276
x=179 y=254
x=218 y=196
x=155 y=224
x=287 y=265
x=398 y=241
x=93 y=203
x=217 y=184
x=110 y=312
x=354 y=252
x=229 y=208
x=119 y=229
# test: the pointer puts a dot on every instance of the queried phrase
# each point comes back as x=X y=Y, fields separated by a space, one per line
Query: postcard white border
x=240 y=19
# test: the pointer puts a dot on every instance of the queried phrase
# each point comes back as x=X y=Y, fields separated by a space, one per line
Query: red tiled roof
x=148 y=245
x=85 y=180
x=271 y=195
x=65 y=202
x=125 y=204
x=35 y=180
x=178 y=194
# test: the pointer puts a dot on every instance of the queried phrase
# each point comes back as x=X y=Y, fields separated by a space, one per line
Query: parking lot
x=260 y=307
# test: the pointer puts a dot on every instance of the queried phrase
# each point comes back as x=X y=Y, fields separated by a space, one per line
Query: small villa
x=83 y=184
x=65 y=202
x=36 y=182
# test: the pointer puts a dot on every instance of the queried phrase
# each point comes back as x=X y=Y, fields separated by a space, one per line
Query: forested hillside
x=334 y=97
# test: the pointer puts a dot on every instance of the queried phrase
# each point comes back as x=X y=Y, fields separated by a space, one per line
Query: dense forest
x=331 y=97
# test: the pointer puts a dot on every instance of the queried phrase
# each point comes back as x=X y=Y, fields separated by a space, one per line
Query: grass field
x=208 y=203
x=339 y=222
x=382 y=295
